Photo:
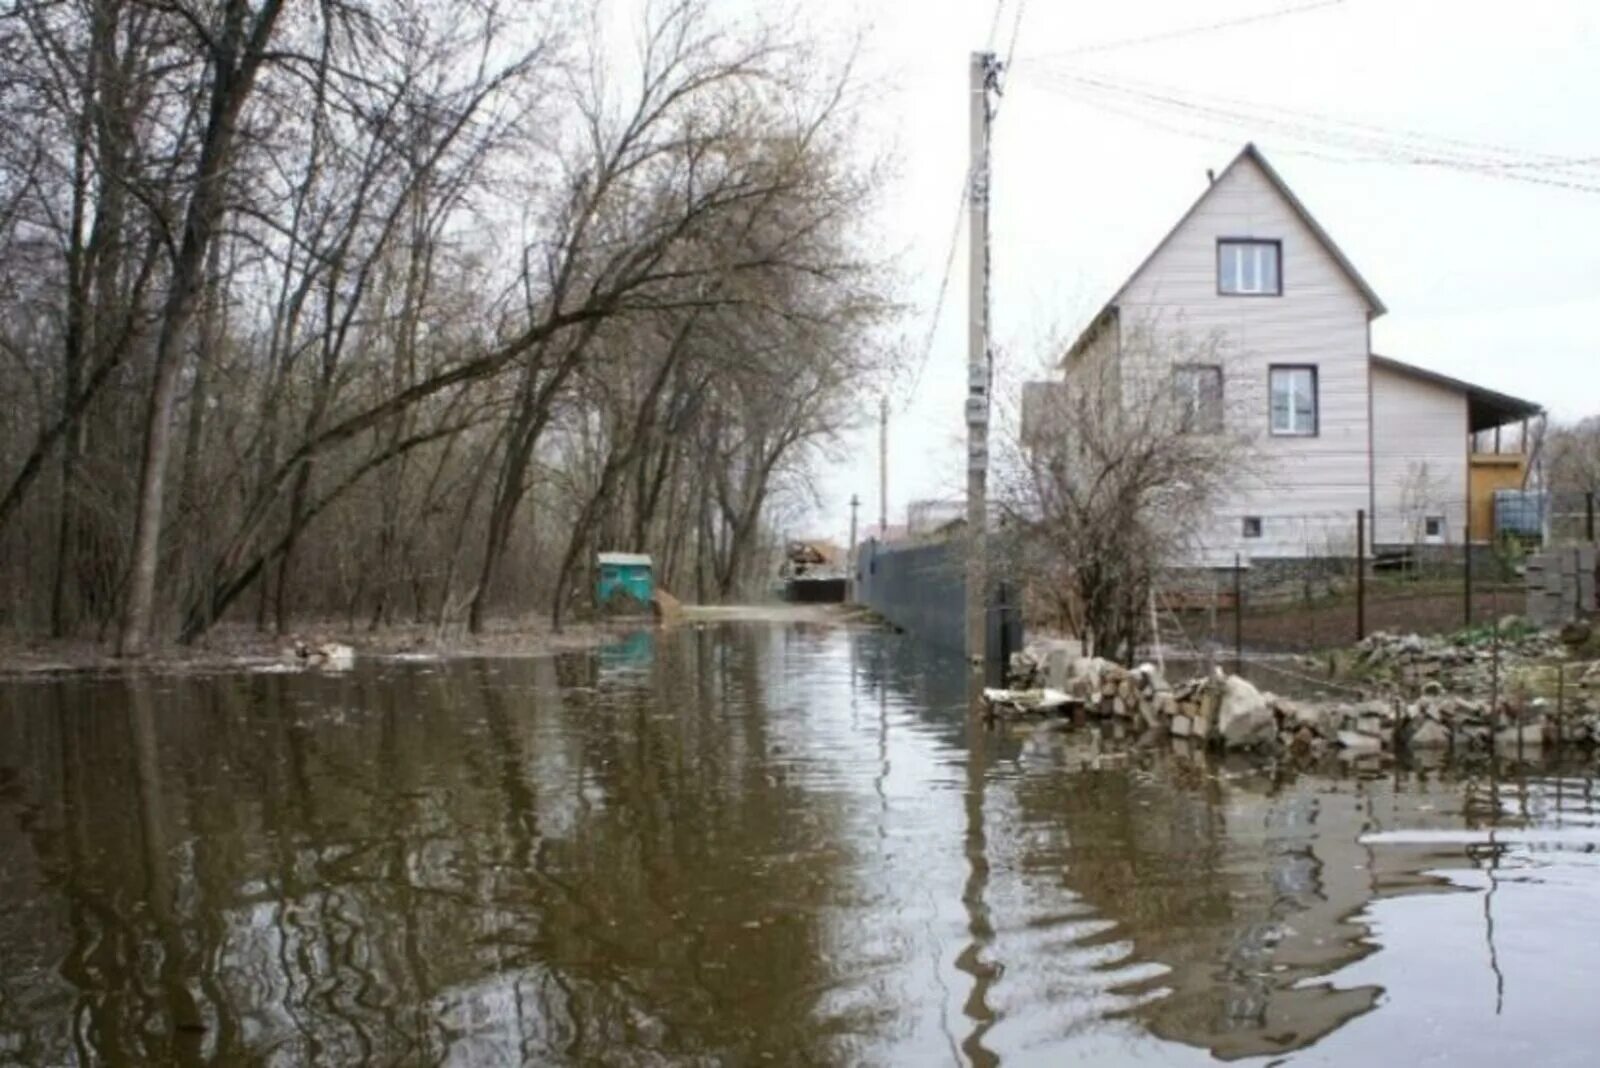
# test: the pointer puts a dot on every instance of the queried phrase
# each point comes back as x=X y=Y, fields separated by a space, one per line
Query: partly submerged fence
x=922 y=590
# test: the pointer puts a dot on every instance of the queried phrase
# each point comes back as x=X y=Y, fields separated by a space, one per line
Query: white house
x=1282 y=322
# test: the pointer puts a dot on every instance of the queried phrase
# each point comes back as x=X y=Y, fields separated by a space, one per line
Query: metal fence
x=922 y=590
x=1300 y=605
x=1319 y=600
x=1572 y=517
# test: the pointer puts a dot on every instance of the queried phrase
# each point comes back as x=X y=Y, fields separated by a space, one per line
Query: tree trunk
x=232 y=78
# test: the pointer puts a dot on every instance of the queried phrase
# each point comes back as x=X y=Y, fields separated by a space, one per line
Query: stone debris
x=1244 y=719
x=1228 y=712
x=1025 y=702
x=1462 y=662
x=329 y=656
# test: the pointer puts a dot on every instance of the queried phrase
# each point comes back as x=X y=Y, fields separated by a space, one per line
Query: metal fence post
x=1361 y=573
x=1561 y=704
x=1238 y=615
x=1466 y=549
x=1577 y=584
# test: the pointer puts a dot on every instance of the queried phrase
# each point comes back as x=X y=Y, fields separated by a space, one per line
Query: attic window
x=1249 y=268
x=1251 y=526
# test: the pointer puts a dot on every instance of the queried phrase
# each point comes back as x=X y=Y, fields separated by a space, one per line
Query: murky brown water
x=745 y=845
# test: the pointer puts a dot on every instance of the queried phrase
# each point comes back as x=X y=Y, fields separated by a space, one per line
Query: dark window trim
x=1244 y=526
x=1316 y=400
x=1276 y=242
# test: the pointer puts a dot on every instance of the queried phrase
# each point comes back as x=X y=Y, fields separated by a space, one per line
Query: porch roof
x=1486 y=408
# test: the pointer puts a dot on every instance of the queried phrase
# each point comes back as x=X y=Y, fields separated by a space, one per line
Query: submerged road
x=771 y=840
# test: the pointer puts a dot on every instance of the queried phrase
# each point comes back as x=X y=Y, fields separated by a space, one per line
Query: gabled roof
x=1251 y=152
x=1486 y=408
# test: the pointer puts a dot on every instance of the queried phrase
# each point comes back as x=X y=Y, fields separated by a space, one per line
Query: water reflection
x=744 y=844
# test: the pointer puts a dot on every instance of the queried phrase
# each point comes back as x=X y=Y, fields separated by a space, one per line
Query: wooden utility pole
x=981 y=77
x=850 y=551
x=883 y=468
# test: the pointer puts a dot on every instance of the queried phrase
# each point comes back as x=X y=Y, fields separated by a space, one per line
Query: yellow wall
x=1490 y=472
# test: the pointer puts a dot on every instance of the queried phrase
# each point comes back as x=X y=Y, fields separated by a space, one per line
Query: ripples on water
x=750 y=844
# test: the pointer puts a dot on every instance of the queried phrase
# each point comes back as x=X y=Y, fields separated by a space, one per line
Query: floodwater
x=751 y=844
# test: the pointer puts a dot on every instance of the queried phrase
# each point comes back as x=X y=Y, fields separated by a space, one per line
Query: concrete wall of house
x=1305 y=489
x=1419 y=458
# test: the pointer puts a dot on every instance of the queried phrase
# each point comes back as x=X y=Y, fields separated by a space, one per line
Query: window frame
x=1277 y=245
x=1221 y=422
x=1316 y=401
x=1431 y=520
x=1245 y=524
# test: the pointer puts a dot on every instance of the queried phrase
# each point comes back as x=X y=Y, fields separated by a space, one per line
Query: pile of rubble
x=1229 y=712
x=1458 y=663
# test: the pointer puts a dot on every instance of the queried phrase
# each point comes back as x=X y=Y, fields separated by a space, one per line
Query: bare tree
x=271 y=257
x=1572 y=456
x=234 y=46
x=1115 y=477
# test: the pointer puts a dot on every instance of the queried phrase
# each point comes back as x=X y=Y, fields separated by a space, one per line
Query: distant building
x=927 y=517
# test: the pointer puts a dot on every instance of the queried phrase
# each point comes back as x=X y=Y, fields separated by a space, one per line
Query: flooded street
x=747 y=844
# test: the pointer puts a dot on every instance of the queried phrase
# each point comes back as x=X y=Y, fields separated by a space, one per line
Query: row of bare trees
x=402 y=308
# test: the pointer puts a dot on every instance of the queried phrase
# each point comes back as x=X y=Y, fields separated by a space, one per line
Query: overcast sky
x=1486 y=278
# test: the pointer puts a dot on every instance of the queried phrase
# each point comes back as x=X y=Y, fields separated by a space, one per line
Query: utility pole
x=883 y=468
x=982 y=76
x=850 y=550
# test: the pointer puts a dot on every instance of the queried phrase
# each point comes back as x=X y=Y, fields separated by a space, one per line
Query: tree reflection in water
x=484 y=862
x=732 y=844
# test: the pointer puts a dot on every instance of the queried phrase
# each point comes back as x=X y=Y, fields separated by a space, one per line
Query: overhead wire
x=1516 y=157
x=1188 y=31
x=1320 y=131
x=944 y=286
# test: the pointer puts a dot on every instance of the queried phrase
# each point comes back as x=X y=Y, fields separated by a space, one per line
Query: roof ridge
x=1375 y=304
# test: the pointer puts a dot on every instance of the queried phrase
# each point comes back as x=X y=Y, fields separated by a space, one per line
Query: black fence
x=1322 y=602
x=922 y=590
x=1573 y=517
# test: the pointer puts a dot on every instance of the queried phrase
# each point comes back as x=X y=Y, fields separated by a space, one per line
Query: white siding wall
x=1306 y=490
x=1419 y=441
x=1093 y=358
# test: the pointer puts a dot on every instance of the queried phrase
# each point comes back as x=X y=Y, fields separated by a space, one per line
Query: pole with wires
x=982 y=75
x=883 y=468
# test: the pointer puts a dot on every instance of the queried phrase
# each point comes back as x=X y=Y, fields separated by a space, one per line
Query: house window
x=1252 y=526
x=1199 y=389
x=1249 y=268
x=1433 y=526
x=1294 y=401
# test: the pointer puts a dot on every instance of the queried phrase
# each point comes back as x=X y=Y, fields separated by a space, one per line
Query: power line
x=1016 y=29
x=1188 y=31
x=944 y=286
x=1520 y=158
x=1011 y=49
x=1382 y=145
x=994 y=25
